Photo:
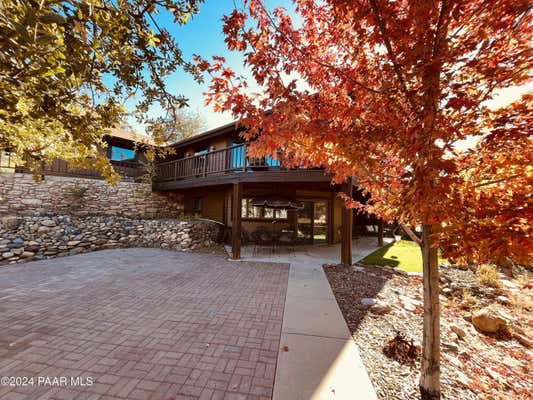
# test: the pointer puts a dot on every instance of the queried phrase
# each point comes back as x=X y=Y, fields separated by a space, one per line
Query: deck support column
x=347 y=221
x=380 y=233
x=236 y=210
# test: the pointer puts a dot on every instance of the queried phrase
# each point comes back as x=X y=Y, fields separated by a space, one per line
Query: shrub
x=487 y=275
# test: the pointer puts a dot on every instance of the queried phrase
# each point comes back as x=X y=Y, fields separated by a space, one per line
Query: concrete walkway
x=318 y=359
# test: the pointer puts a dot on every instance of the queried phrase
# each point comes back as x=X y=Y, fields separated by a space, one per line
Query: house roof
x=132 y=136
x=137 y=137
x=221 y=130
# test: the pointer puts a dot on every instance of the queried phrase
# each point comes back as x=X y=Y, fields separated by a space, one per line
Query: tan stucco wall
x=212 y=204
x=218 y=143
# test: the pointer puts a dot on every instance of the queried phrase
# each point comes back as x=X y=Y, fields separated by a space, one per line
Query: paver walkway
x=143 y=324
x=318 y=358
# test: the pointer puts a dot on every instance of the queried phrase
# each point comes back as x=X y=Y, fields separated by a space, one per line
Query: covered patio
x=316 y=225
x=316 y=253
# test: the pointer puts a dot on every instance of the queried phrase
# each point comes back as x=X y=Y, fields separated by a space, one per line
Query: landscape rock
x=523 y=340
x=48 y=222
x=49 y=236
x=380 y=308
x=504 y=300
x=460 y=332
x=489 y=320
x=366 y=301
x=450 y=347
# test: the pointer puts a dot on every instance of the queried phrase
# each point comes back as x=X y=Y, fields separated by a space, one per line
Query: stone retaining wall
x=27 y=238
x=21 y=195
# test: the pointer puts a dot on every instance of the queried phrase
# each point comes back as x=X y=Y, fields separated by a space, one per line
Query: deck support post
x=347 y=221
x=331 y=218
x=236 y=210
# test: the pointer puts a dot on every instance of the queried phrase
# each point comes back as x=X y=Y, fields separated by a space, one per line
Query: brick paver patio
x=143 y=324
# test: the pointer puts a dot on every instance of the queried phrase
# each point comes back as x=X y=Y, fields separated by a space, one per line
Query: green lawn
x=403 y=254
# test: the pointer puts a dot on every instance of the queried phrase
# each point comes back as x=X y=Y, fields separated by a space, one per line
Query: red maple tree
x=391 y=87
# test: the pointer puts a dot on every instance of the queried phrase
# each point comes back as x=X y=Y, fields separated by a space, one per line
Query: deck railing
x=217 y=162
x=60 y=167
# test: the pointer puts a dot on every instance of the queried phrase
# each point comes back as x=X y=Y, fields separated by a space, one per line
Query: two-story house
x=251 y=197
x=220 y=181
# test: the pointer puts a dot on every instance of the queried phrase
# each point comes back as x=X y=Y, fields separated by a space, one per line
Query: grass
x=487 y=275
x=403 y=254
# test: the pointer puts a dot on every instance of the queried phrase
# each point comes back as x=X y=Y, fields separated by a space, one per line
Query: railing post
x=205 y=164
x=176 y=170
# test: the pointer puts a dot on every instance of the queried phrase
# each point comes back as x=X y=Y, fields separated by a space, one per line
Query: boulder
x=48 y=222
x=489 y=320
x=460 y=332
x=367 y=301
x=380 y=308
x=10 y=222
x=43 y=229
x=504 y=300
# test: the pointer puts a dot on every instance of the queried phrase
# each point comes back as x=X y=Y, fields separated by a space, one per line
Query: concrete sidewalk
x=318 y=358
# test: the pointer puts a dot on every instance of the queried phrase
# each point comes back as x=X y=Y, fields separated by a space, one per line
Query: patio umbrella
x=277 y=203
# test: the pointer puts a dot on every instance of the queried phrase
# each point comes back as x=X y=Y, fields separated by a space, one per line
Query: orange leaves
x=233 y=25
x=393 y=121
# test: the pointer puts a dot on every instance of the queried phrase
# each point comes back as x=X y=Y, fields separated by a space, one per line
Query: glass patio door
x=313 y=222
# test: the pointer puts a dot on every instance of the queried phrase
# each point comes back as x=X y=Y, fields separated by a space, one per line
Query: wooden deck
x=226 y=166
x=128 y=170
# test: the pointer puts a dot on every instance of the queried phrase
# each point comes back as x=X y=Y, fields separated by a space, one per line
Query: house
x=217 y=179
x=220 y=181
x=124 y=150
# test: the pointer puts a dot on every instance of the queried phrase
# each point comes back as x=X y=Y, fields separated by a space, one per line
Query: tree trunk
x=430 y=368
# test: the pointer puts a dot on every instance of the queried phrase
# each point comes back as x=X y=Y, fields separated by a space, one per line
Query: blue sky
x=203 y=35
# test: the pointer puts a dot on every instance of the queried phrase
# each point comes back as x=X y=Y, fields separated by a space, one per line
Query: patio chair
x=262 y=238
x=286 y=238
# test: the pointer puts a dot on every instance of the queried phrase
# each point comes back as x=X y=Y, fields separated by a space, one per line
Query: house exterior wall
x=212 y=203
x=216 y=205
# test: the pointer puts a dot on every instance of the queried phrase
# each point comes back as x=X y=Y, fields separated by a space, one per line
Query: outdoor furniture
x=262 y=238
x=286 y=238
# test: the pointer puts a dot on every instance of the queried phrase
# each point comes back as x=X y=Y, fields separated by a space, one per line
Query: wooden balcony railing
x=58 y=167
x=216 y=162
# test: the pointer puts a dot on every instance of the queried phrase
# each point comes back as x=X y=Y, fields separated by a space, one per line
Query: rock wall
x=27 y=238
x=21 y=195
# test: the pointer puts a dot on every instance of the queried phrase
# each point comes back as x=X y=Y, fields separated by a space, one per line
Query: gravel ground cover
x=379 y=302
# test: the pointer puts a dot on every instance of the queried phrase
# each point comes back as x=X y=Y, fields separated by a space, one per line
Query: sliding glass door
x=313 y=222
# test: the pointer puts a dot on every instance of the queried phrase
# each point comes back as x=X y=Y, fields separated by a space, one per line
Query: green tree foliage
x=67 y=66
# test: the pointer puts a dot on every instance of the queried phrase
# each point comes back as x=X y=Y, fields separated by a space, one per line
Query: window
x=251 y=212
x=276 y=214
x=197 y=205
x=238 y=154
x=122 y=154
x=271 y=162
